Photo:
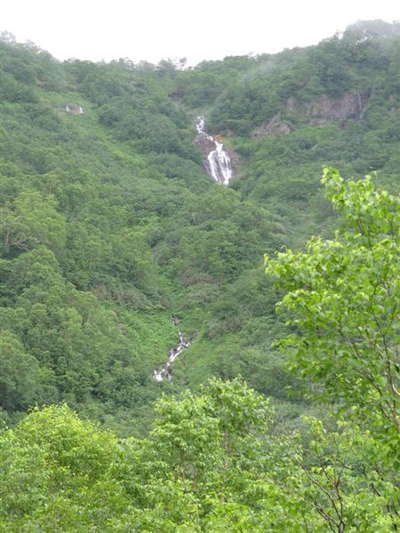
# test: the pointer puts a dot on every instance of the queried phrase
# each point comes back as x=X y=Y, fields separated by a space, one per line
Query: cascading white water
x=165 y=371
x=200 y=125
x=219 y=162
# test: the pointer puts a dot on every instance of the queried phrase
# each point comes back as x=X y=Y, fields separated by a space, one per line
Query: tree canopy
x=343 y=303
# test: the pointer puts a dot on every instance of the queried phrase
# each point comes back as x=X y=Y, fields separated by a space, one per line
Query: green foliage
x=31 y=220
x=342 y=296
x=345 y=479
x=20 y=376
x=57 y=474
x=109 y=225
x=356 y=61
x=211 y=463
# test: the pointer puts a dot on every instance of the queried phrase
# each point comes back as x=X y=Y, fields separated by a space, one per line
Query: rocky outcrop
x=326 y=109
x=274 y=126
x=204 y=144
x=291 y=105
x=318 y=112
x=74 y=109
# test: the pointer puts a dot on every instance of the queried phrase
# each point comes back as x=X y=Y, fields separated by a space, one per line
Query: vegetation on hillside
x=109 y=225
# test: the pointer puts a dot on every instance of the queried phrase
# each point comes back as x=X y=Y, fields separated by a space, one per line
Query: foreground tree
x=212 y=463
x=343 y=300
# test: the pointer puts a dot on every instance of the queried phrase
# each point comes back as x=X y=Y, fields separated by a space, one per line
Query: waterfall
x=200 y=125
x=219 y=162
x=165 y=371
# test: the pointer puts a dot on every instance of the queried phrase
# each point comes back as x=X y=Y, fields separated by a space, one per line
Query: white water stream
x=165 y=371
x=220 y=168
x=219 y=162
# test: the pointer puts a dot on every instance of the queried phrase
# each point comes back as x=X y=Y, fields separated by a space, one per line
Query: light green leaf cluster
x=342 y=303
x=343 y=298
x=211 y=463
x=206 y=466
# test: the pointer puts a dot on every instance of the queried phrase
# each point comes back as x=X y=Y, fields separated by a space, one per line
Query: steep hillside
x=110 y=224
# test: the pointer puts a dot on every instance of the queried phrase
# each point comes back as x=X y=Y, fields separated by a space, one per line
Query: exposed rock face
x=318 y=112
x=205 y=145
x=325 y=109
x=74 y=109
x=274 y=126
x=291 y=105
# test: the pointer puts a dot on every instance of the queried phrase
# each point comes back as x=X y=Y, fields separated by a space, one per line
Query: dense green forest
x=283 y=413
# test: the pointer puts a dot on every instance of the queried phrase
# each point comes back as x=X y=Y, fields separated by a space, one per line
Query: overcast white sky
x=197 y=29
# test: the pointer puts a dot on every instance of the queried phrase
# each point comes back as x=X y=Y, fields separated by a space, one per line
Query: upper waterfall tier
x=218 y=164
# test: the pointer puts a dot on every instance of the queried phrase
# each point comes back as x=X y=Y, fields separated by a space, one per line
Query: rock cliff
x=318 y=112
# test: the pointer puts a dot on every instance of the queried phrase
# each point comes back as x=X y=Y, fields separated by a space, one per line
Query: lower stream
x=165 y=371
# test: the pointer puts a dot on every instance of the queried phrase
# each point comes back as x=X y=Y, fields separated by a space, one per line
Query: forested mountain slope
x=110 y=224
x=117 y=246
